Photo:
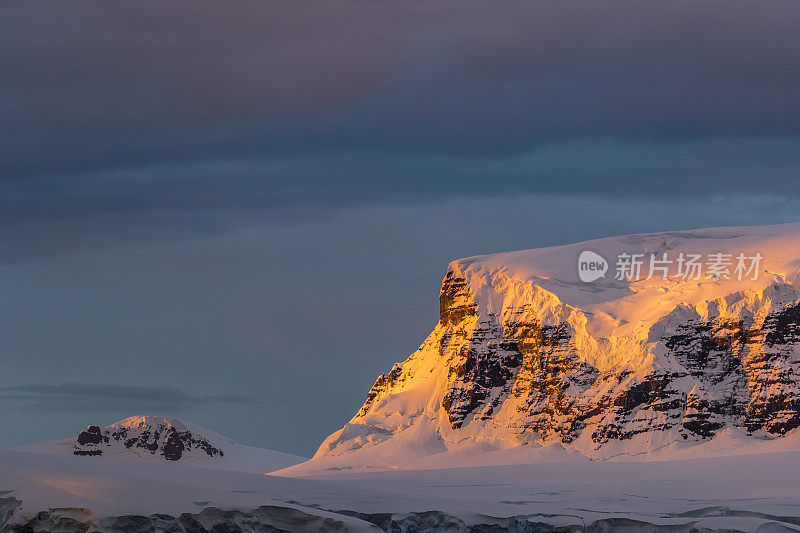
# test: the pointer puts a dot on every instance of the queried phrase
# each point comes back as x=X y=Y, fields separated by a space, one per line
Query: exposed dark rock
x=157 y=438
x=455 y=301
x=700 y=417
x=783 y=328
x=173 y=446
x=91 y=435
x=708 y=350
x=382 y=384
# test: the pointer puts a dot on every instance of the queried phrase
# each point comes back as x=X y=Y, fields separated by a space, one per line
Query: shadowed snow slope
x=528 y=363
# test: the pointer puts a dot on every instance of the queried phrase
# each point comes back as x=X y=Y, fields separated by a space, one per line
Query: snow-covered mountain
x=526 y=356
x=158 y=436
x=530 y=382
x=158 y=439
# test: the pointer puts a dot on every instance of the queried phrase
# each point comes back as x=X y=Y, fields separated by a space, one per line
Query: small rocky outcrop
x=169 y=439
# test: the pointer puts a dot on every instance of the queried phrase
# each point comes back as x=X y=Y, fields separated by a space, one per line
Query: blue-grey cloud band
x=99 y=397
x=284 y=106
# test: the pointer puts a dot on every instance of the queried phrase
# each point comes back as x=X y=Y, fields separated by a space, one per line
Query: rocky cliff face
x=526 y=353
x=168 y=439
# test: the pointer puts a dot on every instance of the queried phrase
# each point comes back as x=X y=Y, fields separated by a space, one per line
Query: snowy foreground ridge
x=525 y=353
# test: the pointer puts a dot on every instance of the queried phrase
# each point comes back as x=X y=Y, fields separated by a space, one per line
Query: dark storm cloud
x=122 y=122
x=436 y=77
x=109 y=397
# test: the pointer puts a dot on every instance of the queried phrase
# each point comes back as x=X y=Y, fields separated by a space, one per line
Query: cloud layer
x=104 y=397
x=284 y=112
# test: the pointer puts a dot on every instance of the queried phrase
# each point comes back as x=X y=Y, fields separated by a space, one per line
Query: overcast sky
x=240 y=214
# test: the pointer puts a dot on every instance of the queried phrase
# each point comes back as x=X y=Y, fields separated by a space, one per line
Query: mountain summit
x=154 y=435
x=682 y=337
